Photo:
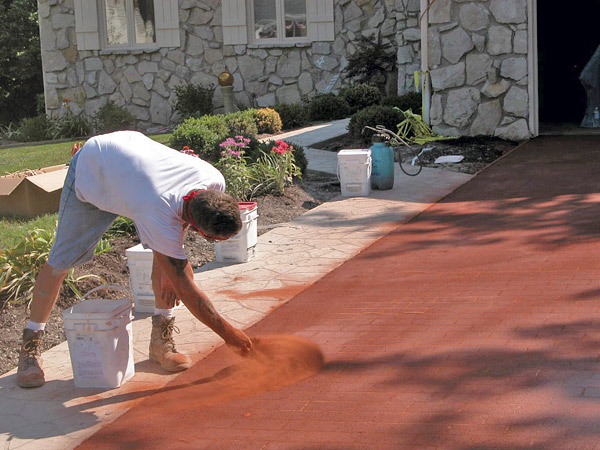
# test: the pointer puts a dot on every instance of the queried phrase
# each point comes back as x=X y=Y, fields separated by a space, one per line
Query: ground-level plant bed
x=315 y=189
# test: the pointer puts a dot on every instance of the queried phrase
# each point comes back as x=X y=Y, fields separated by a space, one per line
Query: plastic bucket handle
x=103 y=286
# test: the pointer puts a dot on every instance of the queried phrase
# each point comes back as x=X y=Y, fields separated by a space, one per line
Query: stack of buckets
x=359 y=170
x=139 y=262
x=99 y=333
x=241 y=247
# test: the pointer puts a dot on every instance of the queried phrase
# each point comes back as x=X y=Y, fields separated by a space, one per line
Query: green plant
x=293 y=115
x=21 y=71
x=410 y=100
x=274 y=171
x=241 y=123
x=328 y=107
x=9 y=132
x=371 y=60
x=268 y=121
x=71 y=125
x=194 y=100
x=34 y=129
x=122 y=226
x=203 y=134
x=372 y=116
x=360 y=96
x=414 y=130
x=232 y=165
x=266 y=147
x=111 y=117
x=21 y=265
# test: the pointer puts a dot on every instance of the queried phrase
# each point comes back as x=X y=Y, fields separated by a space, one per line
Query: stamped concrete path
x=288 y=260
x=474 y=326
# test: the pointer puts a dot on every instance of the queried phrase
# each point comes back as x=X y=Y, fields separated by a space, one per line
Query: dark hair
x=216 y=213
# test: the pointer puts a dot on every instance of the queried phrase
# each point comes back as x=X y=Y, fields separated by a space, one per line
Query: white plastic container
x=99 y=333
x=354 y=172
x=241 y=247
x=139 y=261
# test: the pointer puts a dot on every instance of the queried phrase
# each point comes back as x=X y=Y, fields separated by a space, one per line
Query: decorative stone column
x=226 y=83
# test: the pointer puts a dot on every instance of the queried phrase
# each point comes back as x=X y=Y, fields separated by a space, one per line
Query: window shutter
x=235 y=30
x=86 y=25
x=166 y=13
x=320 y=20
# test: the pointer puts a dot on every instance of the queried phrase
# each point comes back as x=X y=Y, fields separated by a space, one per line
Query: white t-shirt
x=129 y=174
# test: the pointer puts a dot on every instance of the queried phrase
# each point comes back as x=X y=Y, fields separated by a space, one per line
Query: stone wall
x=478 y=66
x=144 y=81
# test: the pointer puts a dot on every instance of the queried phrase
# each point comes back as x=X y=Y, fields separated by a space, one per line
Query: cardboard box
x=26 y=196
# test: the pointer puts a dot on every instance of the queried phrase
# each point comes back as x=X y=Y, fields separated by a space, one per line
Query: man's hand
x=239 y=342
x=167 y=292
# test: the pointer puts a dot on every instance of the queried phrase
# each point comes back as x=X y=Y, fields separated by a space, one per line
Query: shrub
x=194 y=100
x=328 y=107
x=203 y=134
x=387 y=116
x=34 y=129
x=361 y=96
x=111 y=118
x=292 y=115
x=410 y=100
x=241 y=123
x=268 y=121
x=371 y=61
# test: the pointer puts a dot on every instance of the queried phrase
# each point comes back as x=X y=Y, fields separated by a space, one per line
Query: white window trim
x=280 y=28
x=130 y=30
x=238 y=24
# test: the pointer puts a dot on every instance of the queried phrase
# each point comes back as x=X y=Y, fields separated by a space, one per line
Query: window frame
x=280 y=18
x=129 y=17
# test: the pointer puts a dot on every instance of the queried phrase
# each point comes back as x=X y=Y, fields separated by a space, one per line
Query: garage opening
x=567 y=38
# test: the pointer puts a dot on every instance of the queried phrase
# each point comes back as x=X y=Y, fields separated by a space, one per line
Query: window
x=277 y=21
x=128 y=23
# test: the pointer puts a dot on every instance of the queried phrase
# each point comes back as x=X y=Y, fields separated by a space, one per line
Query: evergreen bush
x=194 y=100
x=387 y=116
x=328 y=107
x=410 y=100
x=361 y=96
x=111 y=118
x=292 y=115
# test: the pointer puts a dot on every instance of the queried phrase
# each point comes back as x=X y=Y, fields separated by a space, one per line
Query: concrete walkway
x=474 y=326
x=289 y=259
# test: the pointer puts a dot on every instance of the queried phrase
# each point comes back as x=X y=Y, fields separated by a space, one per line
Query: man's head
x=215 y=214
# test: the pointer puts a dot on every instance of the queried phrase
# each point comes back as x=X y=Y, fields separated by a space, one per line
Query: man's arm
x=180 y=275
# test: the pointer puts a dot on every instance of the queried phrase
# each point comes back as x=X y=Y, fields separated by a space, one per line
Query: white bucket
x=354 y=172
x=139 y=261
x=241 y=247
x=99 y=333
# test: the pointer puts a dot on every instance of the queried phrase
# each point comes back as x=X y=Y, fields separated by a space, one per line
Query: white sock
x=168 y=313
x=35 y=326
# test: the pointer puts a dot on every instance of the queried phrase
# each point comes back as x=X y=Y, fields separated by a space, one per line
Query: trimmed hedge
x=387 y=116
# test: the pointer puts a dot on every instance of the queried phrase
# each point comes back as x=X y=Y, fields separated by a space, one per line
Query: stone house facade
x=473 y=67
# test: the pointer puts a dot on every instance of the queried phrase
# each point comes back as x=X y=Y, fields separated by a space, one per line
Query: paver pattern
x=474 y=326
x=288 y=260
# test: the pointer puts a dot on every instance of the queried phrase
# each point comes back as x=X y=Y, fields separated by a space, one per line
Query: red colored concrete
x=474 y=326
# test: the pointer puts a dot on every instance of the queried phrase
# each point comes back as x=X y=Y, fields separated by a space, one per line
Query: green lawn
x=35 y=157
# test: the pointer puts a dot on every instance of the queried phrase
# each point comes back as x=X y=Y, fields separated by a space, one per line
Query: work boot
x=30 y=373
x=162 y=345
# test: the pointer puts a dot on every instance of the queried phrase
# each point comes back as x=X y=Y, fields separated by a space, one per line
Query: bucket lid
x=247 y=205
x=355 y=151
x=97 y=309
